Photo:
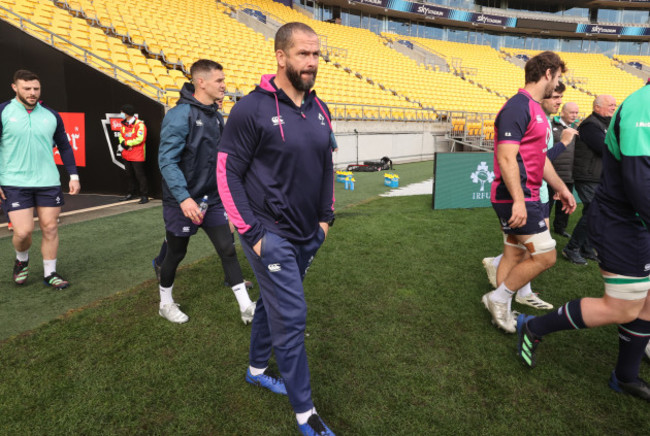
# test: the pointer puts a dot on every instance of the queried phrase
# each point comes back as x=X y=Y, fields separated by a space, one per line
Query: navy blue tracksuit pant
x=281 y=312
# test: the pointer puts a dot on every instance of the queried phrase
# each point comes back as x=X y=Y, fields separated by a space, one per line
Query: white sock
x=502 y=294
x=165 y=295
x=304 y=416
x=525 y=290
x=241 y=294
x=49 y=266
x=22 y=256
x=256 y=371
x=497 y=260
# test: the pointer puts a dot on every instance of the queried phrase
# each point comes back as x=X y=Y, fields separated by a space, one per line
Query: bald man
x=587 y=168
x=563 y=164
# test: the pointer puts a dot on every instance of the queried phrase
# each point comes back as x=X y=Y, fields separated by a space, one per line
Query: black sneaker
x=574 y=256
x=528 y=341
x=21 y=271
x=589 y=254
x=639 y=388
x=156 y=269
x=56 y=281
x=315 y=427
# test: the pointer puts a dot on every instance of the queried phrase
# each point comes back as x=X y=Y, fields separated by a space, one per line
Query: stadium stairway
x=636 y=65
x=365 y=55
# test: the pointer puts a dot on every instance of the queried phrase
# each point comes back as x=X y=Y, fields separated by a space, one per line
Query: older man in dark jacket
x=587 y=168
x=563 y=164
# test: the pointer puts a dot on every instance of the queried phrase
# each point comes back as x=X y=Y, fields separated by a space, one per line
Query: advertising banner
x=75 y=128
x=597 y=28
x=428 y=11
x=462 y=180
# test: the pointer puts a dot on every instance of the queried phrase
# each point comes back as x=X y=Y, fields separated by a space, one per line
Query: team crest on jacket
x=277 y=120
x=321 y=118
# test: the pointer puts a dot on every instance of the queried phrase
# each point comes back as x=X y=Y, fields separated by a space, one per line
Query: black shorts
x=621 y=240
x=535 y=222
x=180 y=225
x=19 y=197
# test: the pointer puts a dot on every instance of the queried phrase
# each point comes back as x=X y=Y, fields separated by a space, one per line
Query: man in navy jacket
x=275 y=178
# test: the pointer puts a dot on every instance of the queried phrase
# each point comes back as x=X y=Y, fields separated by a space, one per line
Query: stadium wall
x=92 y=98
x=401 y=141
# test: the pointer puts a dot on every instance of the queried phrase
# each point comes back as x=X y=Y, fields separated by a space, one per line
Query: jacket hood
x=187 y=97
x=267 y=87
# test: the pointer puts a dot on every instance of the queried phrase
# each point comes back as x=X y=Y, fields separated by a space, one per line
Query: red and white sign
x=116 y=124
x=75 y=127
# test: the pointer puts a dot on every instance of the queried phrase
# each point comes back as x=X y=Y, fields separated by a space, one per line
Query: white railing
x=83 y=54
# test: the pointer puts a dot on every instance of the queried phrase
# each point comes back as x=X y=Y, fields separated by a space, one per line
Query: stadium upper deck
x=364 y=69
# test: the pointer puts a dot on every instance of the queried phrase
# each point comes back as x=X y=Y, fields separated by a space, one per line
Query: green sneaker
x=528 y=341
x=21 y=271
x=56 y=281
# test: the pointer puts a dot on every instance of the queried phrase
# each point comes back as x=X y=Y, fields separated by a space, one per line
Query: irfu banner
x=462 y=180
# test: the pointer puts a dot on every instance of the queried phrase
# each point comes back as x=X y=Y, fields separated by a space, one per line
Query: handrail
x=257 y=8
x=160 y=93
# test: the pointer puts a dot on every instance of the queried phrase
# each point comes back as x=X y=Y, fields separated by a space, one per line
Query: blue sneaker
x=273 y=384
x=528 y=341
x=315 y=427
x=639 y=388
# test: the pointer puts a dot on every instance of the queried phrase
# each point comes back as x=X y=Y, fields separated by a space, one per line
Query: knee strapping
x=627 y=288
x=511 y=241
x=539 y=243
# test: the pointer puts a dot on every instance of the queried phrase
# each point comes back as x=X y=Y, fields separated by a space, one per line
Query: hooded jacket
x=187 y=155
x=275 y=169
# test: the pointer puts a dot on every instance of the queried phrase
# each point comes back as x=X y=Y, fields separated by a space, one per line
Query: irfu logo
x=482 y=175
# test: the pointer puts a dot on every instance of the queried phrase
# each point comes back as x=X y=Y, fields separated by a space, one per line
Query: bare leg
x=47 y=217
x=23 y=222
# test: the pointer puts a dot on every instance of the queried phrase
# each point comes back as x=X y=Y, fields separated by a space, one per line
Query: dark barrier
x=70 y=86
x=462 y=180
x=526 y=23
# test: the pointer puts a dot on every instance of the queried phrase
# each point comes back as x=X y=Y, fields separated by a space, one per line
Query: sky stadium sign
x=432 y=12
x=595 y=28
x=612 y=30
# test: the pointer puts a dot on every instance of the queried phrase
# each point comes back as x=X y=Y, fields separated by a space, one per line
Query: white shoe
x=501 y=316
x=533 y=300
x=488 y=264
x=248 y=314
x=172 y=313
